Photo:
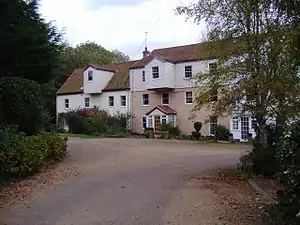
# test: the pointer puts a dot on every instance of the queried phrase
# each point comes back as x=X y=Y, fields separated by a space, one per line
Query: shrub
x=174 y=131
x=222 y=133
x=22 y=104
x=197 y=126
x=21 y=155
x=289 y=161
x=196 y=134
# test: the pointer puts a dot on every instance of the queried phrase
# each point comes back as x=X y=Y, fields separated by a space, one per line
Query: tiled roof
x=120 y=79
x=164 y=109
x=193 y=52
x=73 y=84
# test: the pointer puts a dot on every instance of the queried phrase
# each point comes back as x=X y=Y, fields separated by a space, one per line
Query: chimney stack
x=146 y=52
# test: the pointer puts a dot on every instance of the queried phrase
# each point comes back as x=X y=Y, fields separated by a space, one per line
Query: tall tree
x=258 y=72
x=29 y=46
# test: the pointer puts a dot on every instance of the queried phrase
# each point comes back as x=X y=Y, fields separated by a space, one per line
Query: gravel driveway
x=127 y=181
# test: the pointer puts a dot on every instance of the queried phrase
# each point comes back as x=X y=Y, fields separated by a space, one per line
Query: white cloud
x=122 y=26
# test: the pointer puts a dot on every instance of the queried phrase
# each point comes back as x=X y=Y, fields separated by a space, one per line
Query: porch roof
x=164 y=109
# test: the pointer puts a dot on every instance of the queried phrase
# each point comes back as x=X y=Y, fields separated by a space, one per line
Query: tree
x=29 y=46
x=22 y=103
x=257 y=70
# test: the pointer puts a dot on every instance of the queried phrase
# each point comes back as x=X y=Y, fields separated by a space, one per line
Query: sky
x=121 y=24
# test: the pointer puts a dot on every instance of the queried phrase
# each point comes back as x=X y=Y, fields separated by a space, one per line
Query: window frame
x=143 y=104
x=90 y=75
x=235 y=123
x=214 y=123
x=163 y=119
x=144 y=122
x=113 y=101
x=67 y=102
x=123 y=100
x=150 y=124
x=85 y=102
x=212 y=68
x=144 y=76
x=190 y=72
x=162 y=98
x=186 y=98
x=156 y=73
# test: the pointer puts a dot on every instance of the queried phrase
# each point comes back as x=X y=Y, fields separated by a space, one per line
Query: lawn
x=83 y=136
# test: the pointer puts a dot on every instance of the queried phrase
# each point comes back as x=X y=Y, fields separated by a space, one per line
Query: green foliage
x=255 y=43
x=22 y=104
x=222 y=133
x=174 y=131
x=196 y=134
x=96 y=122
x=30 y=44
x=289 y=162
x=21 y=155
x=197 y=126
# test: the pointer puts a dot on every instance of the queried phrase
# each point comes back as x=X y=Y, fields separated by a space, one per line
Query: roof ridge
x=179 y=46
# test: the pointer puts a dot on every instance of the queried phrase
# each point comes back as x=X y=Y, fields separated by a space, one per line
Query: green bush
x=174 y=131
x=222 y=133
x=196 y=134
x=289 y=161
x=22 y=104
x=197 y=126
x=21 y=155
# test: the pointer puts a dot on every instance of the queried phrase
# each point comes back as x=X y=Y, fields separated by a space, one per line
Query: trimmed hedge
x=22 y=155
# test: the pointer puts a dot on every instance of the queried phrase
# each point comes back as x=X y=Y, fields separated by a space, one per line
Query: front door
x=244 y=127
x=156 y=122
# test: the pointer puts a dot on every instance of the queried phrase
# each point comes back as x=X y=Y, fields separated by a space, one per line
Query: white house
x=156 y=89
x=106 y=87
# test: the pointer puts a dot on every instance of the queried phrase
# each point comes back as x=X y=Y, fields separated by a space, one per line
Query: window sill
x=145 y=105
x=123 y=106
x=187 y=78
x=189 y=103
x=111 y=106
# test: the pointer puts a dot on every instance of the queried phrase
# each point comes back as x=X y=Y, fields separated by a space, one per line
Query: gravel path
x=121 y=181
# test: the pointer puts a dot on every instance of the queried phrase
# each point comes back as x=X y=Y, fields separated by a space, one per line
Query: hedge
x=22 y=155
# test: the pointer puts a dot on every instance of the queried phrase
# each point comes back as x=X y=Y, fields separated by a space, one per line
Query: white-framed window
x=213 y=122
x=188 y=72
x=145 y=99
x=253 y=123
x=188 y=97
x=143 y=76
x=90 y=75
x=235 y=123
x=87 y=102
x=155 y=72
x=144 y=122
x=67 y=103
x=150 y=121
x=171 y=120
x=123 y=100
x=164 y=119
x=165 y=98
x=111 y=101
x=212 y=66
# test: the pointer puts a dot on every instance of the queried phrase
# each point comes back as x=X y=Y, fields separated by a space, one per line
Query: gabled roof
x=73 y=84
x=119 y=81
x=164 y=109
x=194 y=52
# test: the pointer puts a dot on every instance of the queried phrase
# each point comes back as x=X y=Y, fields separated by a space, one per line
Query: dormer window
x=155 y=72
x=90 y=75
